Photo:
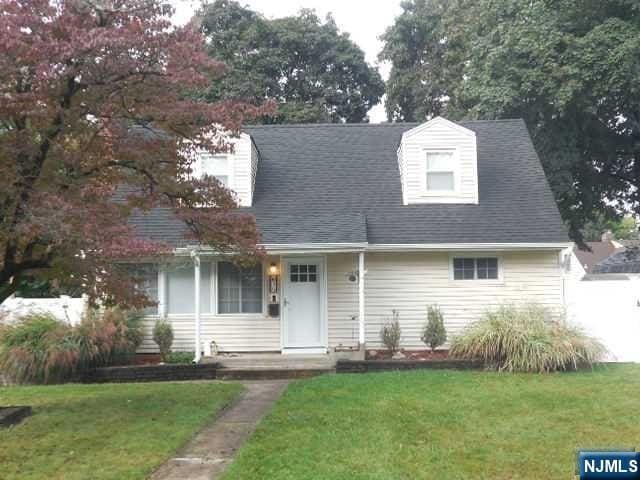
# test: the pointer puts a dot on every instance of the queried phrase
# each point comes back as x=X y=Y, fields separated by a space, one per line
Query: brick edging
x=151 y=373
x=363 y=366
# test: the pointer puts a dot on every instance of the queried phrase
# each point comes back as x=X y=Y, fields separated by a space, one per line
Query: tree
x=624 y=228
x=313 y=71
x=94 y=94
x=568 y=67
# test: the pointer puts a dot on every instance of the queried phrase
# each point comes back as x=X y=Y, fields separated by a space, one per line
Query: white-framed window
x=475 y=268
x=239 y=288
x=218 y=166
x=180 y=287
x=145 y=276
x=440 y=171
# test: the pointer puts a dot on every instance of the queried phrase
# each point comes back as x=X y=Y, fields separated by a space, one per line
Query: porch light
x=273 y=269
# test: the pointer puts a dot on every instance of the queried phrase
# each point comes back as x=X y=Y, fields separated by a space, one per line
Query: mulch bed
x=421 y=355
x=381 y=360
x=146 y=359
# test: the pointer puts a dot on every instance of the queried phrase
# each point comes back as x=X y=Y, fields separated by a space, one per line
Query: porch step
x=267 y=373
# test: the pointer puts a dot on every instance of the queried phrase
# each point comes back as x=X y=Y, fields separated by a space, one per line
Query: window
x=145 y=277
x=475 y=268
x=440 y=172
x=181 y=285
x=303 y=273
x=239 y=289
x=218 y=166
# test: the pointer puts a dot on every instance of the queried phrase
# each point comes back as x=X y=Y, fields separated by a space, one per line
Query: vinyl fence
x=63 y=308
x=609 y=310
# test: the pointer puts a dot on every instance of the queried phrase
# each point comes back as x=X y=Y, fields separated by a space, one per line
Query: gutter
x=476 y=247
x=300 y=248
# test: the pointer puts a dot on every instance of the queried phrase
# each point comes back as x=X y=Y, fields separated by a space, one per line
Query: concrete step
x=266 y=373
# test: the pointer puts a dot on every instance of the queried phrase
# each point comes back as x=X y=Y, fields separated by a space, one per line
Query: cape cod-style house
x=357 y=221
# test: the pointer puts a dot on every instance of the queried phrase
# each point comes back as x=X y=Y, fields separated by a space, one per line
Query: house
x=357 y=221
x=625 y=261
x=584 y=261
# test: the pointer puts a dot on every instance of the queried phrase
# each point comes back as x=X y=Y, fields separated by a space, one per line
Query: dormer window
x=235 y=169
x=440 y=172
x=218 y=166
x=438 y=163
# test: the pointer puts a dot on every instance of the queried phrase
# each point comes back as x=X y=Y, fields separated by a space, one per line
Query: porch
x=276 y=360
x=275 y=365
x=296 y=305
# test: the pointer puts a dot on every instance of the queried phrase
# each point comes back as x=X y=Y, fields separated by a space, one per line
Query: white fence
x=64 y=308
x=610 y=311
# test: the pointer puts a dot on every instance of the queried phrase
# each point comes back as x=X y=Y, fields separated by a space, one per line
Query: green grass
x=113 y=431
x=443 y=424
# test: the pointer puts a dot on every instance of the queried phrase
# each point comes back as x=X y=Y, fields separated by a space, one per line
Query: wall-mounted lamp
x=352 y=276
x=273 y=269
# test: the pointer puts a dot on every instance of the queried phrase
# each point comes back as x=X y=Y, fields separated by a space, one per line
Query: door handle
x=285 y=301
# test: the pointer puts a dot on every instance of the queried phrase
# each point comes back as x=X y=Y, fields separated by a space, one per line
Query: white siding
x=245 y=164
x=409 y=282
x=438 y=134
x=232 y=333
x=342 y=299
x=254 y=169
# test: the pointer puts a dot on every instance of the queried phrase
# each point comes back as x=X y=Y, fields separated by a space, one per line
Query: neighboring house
x=584 y=261
x=359 y=220
x=625 y=261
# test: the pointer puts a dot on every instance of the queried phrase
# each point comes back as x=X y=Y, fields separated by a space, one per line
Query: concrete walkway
x=211 y=451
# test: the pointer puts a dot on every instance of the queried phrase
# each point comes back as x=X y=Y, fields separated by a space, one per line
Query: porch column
x=196 y=270
x=361 y=323
x=162 y=291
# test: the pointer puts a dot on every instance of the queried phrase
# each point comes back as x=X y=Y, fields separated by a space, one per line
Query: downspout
x=361 y=323
x=195 y=255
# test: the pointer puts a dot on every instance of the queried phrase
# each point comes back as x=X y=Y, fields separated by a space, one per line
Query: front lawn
x=443 y=424
x=113 y=431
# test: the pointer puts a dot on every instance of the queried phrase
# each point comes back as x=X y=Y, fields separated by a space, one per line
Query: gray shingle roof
x=626 y=261
x=340 y=183
x=599 y=251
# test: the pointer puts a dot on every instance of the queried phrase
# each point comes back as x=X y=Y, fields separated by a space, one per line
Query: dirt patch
x=10 y=416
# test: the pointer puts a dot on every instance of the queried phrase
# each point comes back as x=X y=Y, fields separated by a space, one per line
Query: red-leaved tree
x=95 y=94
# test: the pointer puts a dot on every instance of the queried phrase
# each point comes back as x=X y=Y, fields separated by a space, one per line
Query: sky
x=364 y=20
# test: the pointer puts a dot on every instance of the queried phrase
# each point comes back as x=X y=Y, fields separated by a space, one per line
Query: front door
x=302 y=304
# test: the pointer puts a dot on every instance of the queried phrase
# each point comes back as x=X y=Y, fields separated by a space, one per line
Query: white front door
x=302 y=304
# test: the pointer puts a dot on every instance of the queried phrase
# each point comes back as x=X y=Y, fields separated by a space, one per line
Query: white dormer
x=438 y=163
x=236 y=169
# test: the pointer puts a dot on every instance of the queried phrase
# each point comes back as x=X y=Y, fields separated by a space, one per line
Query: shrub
x=180 y=357
x=110 y=337
x=24 y=346
x=40 y=349
x=391 y=332
x=163 y=336
x=527 y=338
x=434 y=334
